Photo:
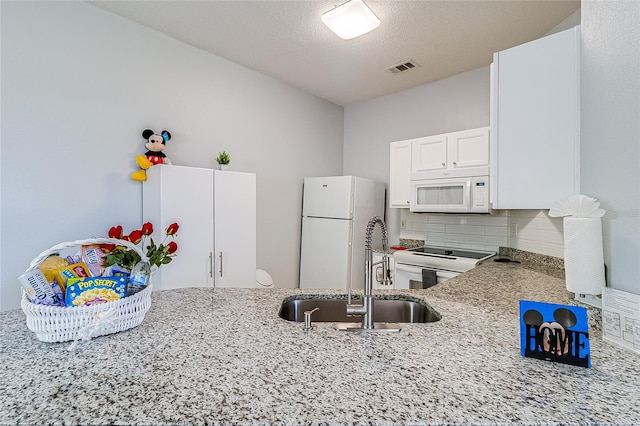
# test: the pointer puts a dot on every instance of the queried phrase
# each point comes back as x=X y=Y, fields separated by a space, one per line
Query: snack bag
x=94 y=290
x=37 y=289
x=50 y=265
x=93 y=256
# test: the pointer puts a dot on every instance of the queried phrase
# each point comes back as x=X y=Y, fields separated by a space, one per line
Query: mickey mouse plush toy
x=155 y=144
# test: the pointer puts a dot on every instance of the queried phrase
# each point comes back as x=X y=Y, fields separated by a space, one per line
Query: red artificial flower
x=172 y=247
x=147 y=228
x=127 y=257
x=172 y=229
x=135 y=236
x=116 y=232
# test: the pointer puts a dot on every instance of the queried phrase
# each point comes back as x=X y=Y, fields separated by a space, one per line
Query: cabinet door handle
x=220 y=264
x=211 y=264
x=444 y=164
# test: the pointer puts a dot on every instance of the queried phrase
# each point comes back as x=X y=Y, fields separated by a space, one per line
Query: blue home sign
x=558 y=333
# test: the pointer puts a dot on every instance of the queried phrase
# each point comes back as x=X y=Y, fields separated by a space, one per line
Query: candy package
x=93 y=256
x=77 y=270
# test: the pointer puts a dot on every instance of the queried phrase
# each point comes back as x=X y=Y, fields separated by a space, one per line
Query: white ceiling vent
x=403 y=66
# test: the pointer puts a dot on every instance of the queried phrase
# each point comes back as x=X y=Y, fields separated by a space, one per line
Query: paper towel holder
x=592 y=299
x=589 y=299
x=575 y=210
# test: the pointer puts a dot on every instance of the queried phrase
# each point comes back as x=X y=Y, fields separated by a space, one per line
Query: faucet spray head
x=369 y=233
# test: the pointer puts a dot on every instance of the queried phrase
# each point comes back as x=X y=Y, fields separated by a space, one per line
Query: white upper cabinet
x=535 y=122
x=456 y=154
x=399 y=173
x=469 y=148
x=429 y=154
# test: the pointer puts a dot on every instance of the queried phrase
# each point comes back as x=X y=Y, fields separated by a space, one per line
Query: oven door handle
x=418 y=270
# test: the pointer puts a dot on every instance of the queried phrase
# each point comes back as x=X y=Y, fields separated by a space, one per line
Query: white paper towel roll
x=583 y=255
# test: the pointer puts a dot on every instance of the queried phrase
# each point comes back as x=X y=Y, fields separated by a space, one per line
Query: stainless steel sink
x=399 y=310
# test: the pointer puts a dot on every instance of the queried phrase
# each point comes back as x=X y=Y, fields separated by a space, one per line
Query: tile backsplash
x=529 y=230
x=477 y=232
x=535 y=231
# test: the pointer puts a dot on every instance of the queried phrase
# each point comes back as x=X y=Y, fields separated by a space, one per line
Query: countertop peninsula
x=223 y=356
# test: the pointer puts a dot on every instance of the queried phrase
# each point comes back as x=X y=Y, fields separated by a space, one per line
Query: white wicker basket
x=61 y=324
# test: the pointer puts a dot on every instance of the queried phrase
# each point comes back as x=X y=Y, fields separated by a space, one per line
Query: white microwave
x=452 y=195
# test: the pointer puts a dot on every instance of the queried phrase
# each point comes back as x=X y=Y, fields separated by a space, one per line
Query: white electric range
x=424 y=267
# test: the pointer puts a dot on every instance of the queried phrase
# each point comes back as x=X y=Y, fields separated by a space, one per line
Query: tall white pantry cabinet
x=216 y=211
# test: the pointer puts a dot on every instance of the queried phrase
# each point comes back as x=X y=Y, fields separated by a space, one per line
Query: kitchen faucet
x=366 y=309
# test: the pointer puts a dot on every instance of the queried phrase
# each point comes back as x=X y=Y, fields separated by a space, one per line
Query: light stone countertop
x=225 y=357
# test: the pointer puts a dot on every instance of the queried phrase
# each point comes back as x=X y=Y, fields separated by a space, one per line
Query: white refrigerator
x=335 y=213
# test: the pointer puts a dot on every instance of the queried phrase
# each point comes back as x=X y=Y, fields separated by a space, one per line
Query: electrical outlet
x=403 y=223
x=513 y=230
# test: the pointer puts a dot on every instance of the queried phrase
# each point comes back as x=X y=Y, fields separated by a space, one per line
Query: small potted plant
x=223 y=160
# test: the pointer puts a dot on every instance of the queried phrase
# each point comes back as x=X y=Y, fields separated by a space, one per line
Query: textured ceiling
x=287 y=40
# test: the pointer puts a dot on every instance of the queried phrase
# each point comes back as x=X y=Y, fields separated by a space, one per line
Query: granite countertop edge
x=223 y=356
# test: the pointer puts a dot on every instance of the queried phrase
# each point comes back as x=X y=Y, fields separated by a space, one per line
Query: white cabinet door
x=399 y=174
x=469 y=148
x=429 y=154
x=535 y=115
x=235 y=229
x=216 y=211
x=183 y=195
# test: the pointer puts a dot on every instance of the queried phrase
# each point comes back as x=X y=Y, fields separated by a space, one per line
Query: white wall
x=610 y=130
x=79 y=85
x=568 y=22
x=456 y=103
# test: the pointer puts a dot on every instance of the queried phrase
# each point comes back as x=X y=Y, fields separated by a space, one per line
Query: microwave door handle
x=467 y=195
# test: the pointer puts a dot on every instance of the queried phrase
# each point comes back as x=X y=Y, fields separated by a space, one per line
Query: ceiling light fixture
x=351 y=19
